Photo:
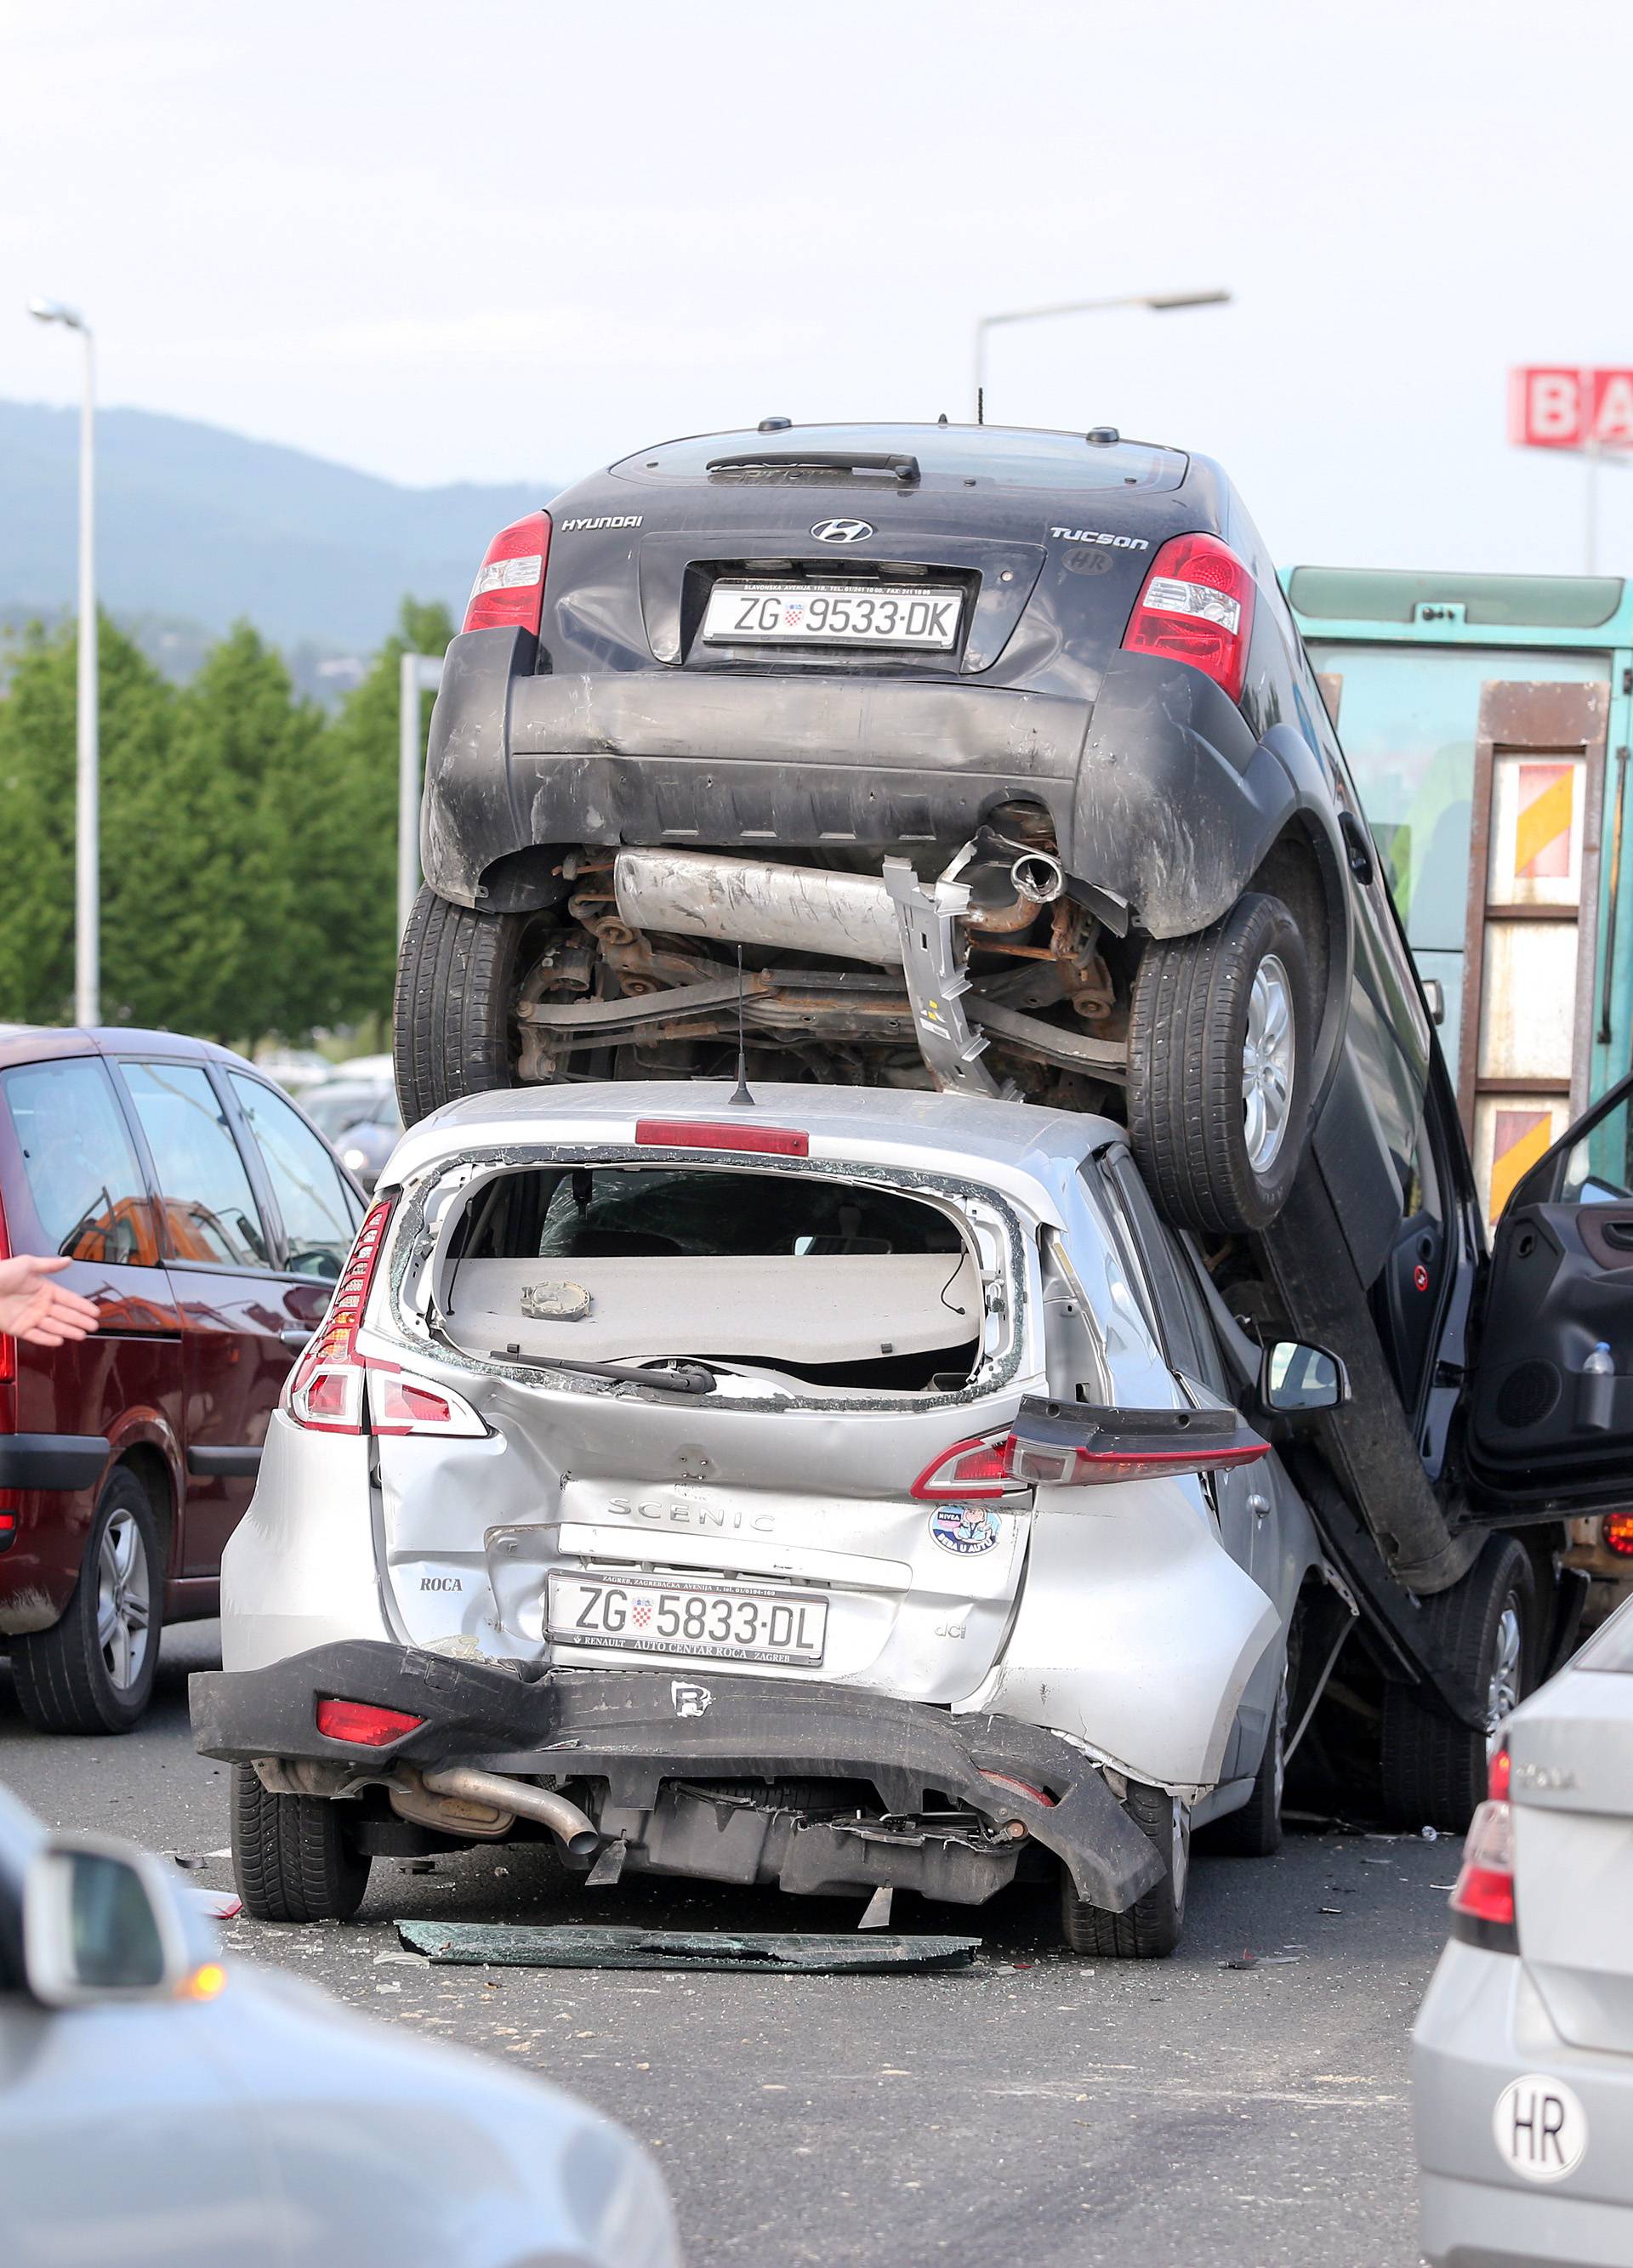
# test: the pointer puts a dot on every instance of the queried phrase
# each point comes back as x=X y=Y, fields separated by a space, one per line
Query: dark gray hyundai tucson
x=992 y=754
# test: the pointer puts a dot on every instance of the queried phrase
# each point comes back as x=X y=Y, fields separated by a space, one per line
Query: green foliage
x=248 y=852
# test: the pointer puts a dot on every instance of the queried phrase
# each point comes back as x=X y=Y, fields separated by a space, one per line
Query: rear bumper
x=635 y=1730
x=1150 y=774
x=1481 y=2025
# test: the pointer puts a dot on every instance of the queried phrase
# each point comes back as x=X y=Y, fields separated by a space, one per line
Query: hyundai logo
x=842 y=531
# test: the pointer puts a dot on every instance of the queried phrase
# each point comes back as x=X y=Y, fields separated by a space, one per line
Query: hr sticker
x=1540 y=2128
x=964 y=1528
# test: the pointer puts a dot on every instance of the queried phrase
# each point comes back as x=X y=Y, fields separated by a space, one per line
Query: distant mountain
x=204 y=526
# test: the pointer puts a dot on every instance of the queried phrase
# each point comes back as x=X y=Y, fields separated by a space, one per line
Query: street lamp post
x=87 y=895
x=1160 y=302
x=418 y=674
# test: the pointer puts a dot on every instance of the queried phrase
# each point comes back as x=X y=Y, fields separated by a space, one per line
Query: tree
x=37 y=809
x=36 y=817
x=364 y=741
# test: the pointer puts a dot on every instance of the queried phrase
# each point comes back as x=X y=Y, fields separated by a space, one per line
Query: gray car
x=851 y=1491
x=158 y=2107
x=1522 y=2051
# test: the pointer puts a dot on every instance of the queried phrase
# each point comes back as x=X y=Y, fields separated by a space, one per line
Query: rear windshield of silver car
x=810 y=1278
x=946 y=456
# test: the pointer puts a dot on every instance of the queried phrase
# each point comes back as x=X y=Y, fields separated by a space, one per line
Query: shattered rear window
x=838 y=1284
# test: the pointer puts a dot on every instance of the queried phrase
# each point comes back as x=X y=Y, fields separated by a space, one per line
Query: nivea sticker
x=964 y=1528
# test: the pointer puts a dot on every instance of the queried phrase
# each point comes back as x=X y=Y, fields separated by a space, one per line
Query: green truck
x=1487 y=719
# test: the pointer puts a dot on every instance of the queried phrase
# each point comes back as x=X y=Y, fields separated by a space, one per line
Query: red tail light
x=1482 y=1903
x=397 y=1404
x=1618 y=1532
x=325 y=1389
x=508 y=593
x=1499 y=1772
x=696 y=1134
x=968 y=1468
x=1039 y=1467
x=1197 y=607
x=998 y=1466
x=363 y=1725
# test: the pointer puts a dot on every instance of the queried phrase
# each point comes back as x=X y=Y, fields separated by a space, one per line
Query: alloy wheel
x=123 y=1600
x=1267 y=1062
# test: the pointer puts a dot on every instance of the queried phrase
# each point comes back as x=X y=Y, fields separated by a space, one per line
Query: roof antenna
x=980 y=405
x=743 y=1095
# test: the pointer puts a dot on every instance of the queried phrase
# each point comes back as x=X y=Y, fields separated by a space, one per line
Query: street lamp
x=1160 y=302
x=86 y=857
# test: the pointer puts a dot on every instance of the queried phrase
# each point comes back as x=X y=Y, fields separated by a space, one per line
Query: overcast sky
x=515 y=239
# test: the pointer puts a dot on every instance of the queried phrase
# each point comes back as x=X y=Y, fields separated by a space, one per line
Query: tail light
x=968 y=1468
x=325 y=1389
x=334 y=1389
x=508 y=593
x=1069 y=1445
x=1618 y=1532
x=400 y=1405
x=1482 y=1903
x=699 y=1134
x=363 y=1724
x=1197 y=607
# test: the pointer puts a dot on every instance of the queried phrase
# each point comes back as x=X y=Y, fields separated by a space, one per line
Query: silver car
x=1522 y=2051
x=160 y=2107
x=848 y=1492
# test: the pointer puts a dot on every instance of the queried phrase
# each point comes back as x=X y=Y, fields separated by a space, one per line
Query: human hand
x=32 y=1307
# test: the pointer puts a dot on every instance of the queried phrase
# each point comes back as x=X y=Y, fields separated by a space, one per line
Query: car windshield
x=833 y=1281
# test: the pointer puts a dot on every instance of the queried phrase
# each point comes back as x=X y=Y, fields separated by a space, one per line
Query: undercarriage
x=996 y=978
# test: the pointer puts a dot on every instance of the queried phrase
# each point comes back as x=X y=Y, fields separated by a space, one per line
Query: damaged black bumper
x=660 y=1751
x=1150 y=774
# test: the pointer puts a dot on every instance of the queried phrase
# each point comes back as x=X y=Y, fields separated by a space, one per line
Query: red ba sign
x=1551 y=408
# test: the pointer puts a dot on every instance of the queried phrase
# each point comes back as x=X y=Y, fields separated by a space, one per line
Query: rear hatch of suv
x=723 y=1408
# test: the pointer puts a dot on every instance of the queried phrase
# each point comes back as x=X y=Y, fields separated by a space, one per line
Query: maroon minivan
x=208 y=1220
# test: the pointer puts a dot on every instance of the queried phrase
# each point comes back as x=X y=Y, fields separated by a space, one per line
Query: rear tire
x=1219 y=1043
x=1485 y=1628
x=453 y=1032
x=1150 y=1928
x=92 y=1671
x=293 y=1857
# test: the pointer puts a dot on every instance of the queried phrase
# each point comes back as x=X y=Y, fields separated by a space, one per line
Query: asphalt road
x=1068 y=2114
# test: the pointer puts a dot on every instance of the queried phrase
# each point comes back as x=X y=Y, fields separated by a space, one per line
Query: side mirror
x=102 y=1923
x=1435 y=994
x=1294 y=1378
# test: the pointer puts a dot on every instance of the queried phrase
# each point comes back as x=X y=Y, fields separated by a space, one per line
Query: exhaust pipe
x=564 y=1819
x=795 y=909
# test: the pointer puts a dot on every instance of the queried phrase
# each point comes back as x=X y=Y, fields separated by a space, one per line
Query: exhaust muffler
x=753 y=901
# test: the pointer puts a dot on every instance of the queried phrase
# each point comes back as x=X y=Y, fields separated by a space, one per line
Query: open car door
x=1551 y=1417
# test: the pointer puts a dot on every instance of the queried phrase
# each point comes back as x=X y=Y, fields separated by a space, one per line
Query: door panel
x=1552 y=1413
x=220 y=1262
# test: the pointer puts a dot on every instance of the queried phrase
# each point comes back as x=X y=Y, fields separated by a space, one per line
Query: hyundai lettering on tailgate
x=719 y=1622
x=831 y=613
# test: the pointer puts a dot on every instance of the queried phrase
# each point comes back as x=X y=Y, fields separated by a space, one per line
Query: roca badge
x=965 y=1528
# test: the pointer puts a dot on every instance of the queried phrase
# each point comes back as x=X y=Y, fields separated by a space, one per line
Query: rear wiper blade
x=680 y=1378
x=825 y=461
